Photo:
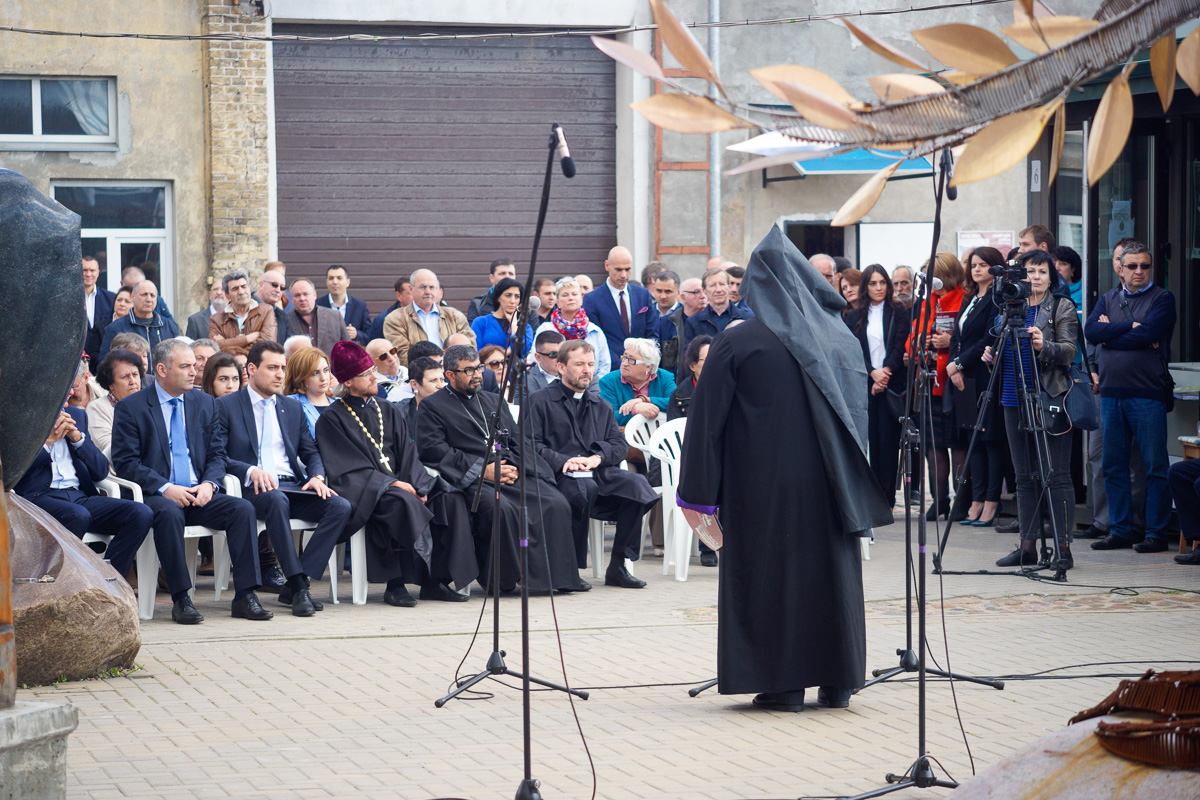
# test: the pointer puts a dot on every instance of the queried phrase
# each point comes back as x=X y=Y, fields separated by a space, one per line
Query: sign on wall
x=1001 y=240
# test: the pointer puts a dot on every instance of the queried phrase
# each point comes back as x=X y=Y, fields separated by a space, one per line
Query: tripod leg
x=462 y=687
x=695 y=690
x=995 y=684
x=577 y=692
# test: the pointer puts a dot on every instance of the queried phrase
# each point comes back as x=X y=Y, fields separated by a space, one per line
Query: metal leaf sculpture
x=1069 y=52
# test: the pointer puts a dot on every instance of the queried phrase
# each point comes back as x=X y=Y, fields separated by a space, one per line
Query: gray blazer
x=329 y=326
x=197 y=324
x=1059 y=323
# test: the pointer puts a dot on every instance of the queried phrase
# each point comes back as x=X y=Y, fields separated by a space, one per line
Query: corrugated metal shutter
x=395 y=156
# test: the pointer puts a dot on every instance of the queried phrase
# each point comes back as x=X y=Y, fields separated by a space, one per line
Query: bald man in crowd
x=825 y=265
x=621 y=309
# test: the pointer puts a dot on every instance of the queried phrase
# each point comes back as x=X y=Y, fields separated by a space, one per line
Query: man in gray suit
x=323 y=325
x=545 y=353
x=197 y=324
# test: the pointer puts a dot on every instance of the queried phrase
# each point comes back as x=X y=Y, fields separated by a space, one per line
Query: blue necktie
x=181 y=473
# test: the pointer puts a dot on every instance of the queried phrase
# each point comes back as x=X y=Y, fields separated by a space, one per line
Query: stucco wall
x=160 y=103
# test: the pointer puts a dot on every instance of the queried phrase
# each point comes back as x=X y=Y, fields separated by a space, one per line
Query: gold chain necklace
x=387 y=462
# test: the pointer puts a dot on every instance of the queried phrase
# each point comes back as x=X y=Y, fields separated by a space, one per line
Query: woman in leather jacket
x=1052 y=325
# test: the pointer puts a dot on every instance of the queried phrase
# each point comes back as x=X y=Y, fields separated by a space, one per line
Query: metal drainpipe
x=714 y=140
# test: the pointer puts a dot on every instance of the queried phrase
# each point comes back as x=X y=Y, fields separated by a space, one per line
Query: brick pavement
x=341 y=705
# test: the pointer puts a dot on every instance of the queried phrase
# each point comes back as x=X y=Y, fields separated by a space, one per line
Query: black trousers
x=986 y=467
x=222 y=512
x=277 y=507
x=586 y=503
x=124 y=520
x=1062 y=492
x=883 y=444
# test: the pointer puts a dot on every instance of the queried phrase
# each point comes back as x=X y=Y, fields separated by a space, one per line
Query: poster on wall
x=1001 y=240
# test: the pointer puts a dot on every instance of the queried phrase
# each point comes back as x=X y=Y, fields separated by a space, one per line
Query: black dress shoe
x=273 y=578
x=708 y=559
x=780 y=701
x=833 y=697
x=302 y=604
x=399 y=597
x=1018 y=558
x=583 y=586
x=185 y=613
x=436 y=590
x=285 y=597
x=1150 y=546
x=1112 y=542
x=1012 y=526
x=617 y=575
x=248 y=607
x=1191 y=559
x=1091 y=532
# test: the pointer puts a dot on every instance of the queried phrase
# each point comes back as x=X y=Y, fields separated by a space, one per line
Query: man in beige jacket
x=244 y=321
x=424 y=320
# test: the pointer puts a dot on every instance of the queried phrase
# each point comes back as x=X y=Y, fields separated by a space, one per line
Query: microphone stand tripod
x=920 y=773
x=515 y=381
x=919 y=399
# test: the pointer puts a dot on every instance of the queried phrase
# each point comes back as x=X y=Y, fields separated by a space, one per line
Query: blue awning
x=860 y=162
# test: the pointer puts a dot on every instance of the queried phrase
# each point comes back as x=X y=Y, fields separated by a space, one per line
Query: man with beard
x=452 y=435
x=785 y=388
x=577 y=434
x=370 y=460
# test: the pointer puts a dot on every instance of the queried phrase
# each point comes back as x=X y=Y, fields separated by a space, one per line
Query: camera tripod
x=1010 y=339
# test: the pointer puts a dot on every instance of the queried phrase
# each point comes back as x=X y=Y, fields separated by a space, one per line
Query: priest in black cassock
x=452 y=434
x=775 y=440
x=577 y=434
x=370 y=460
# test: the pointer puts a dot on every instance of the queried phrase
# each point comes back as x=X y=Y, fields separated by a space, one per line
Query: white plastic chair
x=301 y=529
x=358 y=567
x=667 y=446
x=638 y=432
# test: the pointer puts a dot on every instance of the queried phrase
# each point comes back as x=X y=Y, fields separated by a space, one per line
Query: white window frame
x=39 y=141
x=164 y=237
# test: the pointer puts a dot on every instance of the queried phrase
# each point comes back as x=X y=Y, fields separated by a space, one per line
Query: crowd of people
x=320 y=413
x=1123 y=345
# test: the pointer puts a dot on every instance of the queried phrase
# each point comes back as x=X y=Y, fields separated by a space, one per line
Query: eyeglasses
x=372 y=372
x=1146 y=267
x=384 y=355
x=468 y=371
x=551 y=354
x=691 y=291
x=632 y=361
x=274 y=284
x=495 y=363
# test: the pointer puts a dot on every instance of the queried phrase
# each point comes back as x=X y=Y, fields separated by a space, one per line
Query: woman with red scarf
x=571 y=321
x=944 y=433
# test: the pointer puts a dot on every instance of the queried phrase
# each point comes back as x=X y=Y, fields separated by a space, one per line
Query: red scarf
x=575 y=329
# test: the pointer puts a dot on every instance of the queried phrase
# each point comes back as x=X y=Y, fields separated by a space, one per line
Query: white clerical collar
x=578 y=395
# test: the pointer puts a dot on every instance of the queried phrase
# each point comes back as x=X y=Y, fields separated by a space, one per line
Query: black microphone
x=948 y=168
x=568 y=163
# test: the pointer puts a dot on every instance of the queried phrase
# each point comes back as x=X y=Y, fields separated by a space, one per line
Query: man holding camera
x=1131 y=326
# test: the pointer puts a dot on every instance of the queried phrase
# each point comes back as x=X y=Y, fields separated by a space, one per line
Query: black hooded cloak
x=775 y=438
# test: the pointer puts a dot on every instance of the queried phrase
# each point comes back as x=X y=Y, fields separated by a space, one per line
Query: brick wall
x=238 y=156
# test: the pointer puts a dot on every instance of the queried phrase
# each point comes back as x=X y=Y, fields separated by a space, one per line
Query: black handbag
x=1080 y=400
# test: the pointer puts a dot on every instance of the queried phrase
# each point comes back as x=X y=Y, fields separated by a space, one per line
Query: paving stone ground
x=341 y=705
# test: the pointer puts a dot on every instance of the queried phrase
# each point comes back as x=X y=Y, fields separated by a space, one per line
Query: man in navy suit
x=61 y=482
x=354 y=311
x=269 y=448
x=622 y=311
x=99 y=302
x=167 y=439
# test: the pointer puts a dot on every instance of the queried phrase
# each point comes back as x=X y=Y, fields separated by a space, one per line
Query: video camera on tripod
x=1012 y=286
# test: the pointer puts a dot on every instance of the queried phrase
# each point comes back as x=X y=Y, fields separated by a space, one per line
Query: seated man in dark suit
x=576 y=432
x=166 y=438
x=61 y=482
x=619 y=308
x=268 y=447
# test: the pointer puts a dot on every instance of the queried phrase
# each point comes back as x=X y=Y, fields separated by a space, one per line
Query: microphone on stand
x=948 y=168
x=535 y=303
x=568 y=163
x=935 y=281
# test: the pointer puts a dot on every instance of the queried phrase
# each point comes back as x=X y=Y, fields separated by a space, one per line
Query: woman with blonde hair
x=308 y=379
x=943 y=433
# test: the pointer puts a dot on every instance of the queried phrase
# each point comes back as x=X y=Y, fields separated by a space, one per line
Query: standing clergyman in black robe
x=370 y=460
x=775 y=439
x=452 y=434
x=576 y=433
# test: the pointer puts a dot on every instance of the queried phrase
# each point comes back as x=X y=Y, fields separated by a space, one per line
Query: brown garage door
x=395 y=156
